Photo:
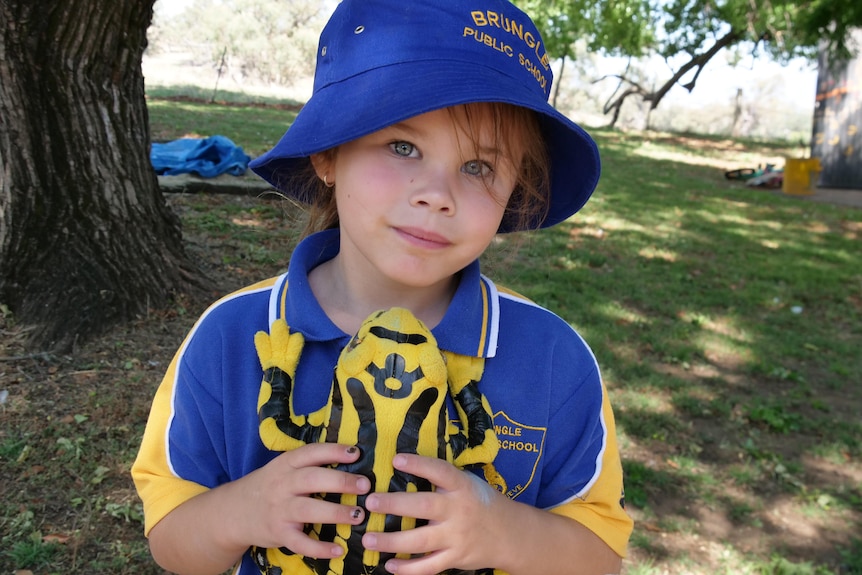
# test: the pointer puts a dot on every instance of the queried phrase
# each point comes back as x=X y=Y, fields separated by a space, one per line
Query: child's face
x=418 y=201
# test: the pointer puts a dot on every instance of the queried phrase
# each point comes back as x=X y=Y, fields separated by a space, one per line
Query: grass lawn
x=727 y=321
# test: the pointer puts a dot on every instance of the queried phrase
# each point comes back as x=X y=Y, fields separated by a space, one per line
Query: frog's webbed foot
x=477 y=442
x=281 y=429
x=280 y=561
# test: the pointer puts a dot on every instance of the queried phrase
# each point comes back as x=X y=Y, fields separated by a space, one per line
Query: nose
x=435 y=190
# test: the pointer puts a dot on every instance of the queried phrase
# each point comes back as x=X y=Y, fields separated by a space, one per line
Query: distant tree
x=691 y=33
x=86 y=240
x=623 y=27
x=271 y=41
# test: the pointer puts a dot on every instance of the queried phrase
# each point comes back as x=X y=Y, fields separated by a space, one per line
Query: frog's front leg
x=281 y=429
x=477 y=442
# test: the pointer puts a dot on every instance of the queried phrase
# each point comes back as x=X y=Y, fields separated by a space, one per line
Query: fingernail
x=357 y=513
x=352 y=449
x=399 y=460
x=371 y=503
x=337 y=551
x=369 y=541
x=363 y=484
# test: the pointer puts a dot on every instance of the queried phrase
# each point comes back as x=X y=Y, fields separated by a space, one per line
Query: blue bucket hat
x=380 y=62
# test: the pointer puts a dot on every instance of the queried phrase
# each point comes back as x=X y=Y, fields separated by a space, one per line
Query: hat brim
x=370 y=101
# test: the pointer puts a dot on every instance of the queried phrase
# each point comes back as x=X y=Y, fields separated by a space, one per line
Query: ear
x=323 y=163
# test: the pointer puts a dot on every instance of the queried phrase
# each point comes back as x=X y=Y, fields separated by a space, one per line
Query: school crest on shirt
x=521 y=446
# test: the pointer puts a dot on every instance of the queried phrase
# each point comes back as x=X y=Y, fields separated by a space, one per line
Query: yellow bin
x=799 y=179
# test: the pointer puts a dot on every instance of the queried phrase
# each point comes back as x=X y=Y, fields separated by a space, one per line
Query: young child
x=428 y=132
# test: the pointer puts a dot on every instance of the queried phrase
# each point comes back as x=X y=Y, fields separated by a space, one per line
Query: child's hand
x=278 y=504
x=460 y=517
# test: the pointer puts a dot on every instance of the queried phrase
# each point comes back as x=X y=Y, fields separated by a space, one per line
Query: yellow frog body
x=388 y=396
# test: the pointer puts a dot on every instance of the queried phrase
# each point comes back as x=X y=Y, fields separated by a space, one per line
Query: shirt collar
x=469 y=326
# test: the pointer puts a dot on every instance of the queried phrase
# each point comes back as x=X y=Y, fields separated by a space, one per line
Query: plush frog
x=388 y=396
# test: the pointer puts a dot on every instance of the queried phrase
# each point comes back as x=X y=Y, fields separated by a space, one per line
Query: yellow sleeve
x=602 y=510
x=158 y=487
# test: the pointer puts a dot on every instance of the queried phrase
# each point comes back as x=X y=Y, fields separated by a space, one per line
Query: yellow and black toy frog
x=388 y=396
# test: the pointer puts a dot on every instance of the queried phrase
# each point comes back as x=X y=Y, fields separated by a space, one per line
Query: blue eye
x=477 y=168
x=405 y=149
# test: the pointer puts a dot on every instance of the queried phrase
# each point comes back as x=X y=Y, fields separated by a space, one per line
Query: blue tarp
x=207 y=157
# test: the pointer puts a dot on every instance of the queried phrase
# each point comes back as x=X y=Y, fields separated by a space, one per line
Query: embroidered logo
x=510 y=37
x=521 y=447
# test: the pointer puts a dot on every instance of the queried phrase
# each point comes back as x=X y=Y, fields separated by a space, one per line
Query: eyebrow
x=412 y=131
x=405 y=127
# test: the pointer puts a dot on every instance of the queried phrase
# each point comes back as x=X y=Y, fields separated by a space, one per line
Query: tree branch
x=616 y=103
x=697 y=61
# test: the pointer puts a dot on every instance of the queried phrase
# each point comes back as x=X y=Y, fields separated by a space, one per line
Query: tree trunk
x=86 y=239
x=735 y=130
x=559 y=81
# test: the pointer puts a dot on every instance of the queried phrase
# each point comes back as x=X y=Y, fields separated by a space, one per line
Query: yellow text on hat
x=489 y=18
x=489 y=41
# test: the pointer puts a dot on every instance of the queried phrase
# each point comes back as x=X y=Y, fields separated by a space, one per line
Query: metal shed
x=837 y=133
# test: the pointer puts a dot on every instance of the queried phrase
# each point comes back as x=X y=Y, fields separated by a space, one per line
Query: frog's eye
x=354 y=342
x=357 y=355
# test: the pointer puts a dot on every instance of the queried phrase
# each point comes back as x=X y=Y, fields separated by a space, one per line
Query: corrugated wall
x=837 y=137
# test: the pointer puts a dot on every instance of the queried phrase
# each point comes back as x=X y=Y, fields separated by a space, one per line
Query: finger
x=311 y=480
x=317 y=454
x=418 y=504
x=307 y=462
x=438 y=471
x=429 y=564
x=410 y=542
x=445 y=476
x=313 y=510
x=302 y=544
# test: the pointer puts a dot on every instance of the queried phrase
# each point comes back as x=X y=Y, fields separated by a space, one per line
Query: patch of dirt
x=70 y=425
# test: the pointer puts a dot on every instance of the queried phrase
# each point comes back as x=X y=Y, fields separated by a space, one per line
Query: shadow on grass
x=727 y=322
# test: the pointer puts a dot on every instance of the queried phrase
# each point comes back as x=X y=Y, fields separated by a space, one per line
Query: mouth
x=423 y=238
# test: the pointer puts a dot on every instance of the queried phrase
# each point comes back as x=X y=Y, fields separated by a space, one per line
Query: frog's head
x=394 y=332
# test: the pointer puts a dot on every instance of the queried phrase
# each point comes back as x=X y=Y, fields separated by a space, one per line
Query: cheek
x=496 y=199
x=370 y=179
x=504 y=185
x=505 y=196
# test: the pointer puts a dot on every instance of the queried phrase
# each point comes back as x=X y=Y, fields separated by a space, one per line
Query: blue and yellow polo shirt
x=555 y=426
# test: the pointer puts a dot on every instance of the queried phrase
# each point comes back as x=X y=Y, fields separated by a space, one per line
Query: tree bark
x=86 y=239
